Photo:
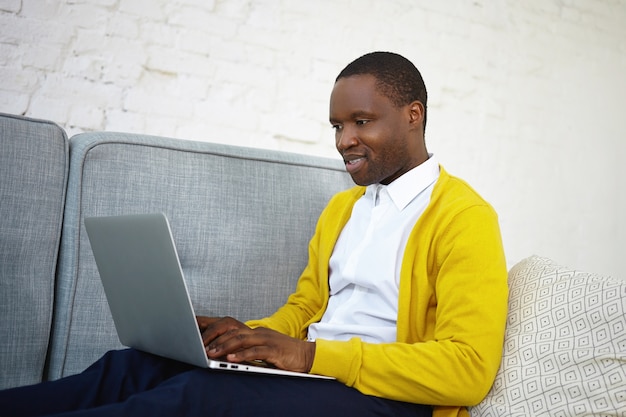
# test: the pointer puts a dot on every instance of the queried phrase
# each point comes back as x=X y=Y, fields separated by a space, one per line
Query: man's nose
x=346 y=138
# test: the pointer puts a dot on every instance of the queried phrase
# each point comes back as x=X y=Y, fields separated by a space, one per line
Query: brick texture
x=526 y=98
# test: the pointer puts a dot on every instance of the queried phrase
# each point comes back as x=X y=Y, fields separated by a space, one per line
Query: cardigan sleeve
x=308 y=302
x=301 y=307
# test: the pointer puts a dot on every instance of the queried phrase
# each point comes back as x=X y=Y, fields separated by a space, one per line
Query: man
x=403 y=300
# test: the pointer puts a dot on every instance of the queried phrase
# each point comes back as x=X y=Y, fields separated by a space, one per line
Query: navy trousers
x=133 y=383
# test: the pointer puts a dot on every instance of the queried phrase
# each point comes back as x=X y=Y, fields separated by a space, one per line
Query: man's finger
x=219 y=328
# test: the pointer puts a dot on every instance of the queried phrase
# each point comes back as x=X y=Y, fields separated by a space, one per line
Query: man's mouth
x=354 y=163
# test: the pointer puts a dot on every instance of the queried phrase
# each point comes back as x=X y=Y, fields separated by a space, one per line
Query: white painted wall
x=526 y=97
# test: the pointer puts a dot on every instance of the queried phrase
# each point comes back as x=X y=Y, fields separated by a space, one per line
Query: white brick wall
x=526 y=98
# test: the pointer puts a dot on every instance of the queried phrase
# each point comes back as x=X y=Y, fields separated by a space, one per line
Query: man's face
x=377 y=140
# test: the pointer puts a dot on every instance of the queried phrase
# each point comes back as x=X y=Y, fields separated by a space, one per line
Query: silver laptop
x=148 y=298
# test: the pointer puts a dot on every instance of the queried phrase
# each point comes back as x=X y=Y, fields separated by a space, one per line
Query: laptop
x=146 y=291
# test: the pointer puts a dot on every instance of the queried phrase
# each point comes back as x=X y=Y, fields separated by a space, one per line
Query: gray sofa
x=242 y=219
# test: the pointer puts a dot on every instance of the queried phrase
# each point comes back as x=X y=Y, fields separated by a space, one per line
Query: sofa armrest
x=34 y=162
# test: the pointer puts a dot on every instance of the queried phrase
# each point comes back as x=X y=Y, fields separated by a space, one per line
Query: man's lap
x=130 y=382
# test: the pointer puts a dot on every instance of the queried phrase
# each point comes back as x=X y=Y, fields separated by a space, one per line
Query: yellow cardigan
x=451 y=312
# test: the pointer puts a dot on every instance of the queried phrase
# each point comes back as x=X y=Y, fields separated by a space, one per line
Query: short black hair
x=397 y=78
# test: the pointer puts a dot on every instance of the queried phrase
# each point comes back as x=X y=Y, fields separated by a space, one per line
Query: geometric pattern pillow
x=565 y=345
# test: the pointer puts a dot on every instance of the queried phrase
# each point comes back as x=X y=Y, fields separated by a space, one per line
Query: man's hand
x=227 y=337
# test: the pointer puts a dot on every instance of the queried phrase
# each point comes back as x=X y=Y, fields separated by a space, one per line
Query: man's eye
x=361 y=122
x=336 y=127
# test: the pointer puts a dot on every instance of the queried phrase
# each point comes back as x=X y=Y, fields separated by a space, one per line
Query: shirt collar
x=404 y=189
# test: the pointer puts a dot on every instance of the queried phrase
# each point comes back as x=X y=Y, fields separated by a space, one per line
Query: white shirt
x=364 y=269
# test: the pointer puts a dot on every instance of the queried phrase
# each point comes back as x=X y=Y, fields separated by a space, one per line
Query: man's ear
x=416 y=114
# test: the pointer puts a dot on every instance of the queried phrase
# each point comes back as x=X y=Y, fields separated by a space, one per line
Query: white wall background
x=527 y=98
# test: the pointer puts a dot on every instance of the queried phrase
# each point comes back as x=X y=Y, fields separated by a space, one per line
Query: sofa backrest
x=241 y=219
x=34 y=164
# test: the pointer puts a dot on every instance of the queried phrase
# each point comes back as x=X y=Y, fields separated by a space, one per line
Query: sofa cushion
x=241 y=219
x=33 y=175
x=565 y=345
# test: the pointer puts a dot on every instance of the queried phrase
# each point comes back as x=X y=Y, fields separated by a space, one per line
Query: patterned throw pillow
x=565 y=345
